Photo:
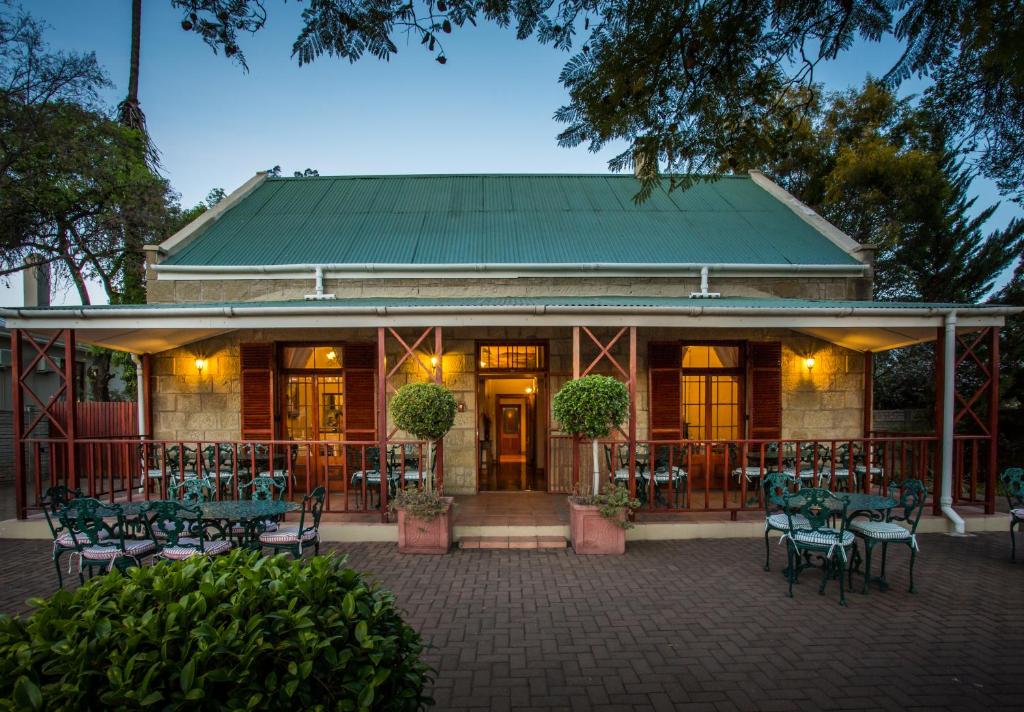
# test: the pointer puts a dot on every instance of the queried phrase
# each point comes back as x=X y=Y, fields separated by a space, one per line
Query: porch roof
x=858 y=325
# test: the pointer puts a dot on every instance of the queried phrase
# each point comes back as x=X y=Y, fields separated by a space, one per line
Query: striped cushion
x=132 y=547
x=1017 y=513
x=268 y=526
x=287 y=535
x=880 y=530
x=822 y=537
x=212 y=548
x=372 y=477
x=661 y=476
x=780 y=521
x=67 y=539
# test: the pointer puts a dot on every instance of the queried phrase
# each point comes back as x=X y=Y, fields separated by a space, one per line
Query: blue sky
x=489 y=109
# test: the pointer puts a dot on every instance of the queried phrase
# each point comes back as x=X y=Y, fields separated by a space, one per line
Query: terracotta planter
x=419 y=536
x=592 y=533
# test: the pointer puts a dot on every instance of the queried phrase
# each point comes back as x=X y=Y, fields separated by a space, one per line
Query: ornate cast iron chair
x=406 y=468
x=1013 y=485
x=219 y=464
x=668 y=474
x=368 y=469
x=294 y=538
x=262 y=488
x=53 y=501
x=910 y=498
x=776 y=486
x=616 y=457
x=816 y=537
x=99 y=545
x=179 y=538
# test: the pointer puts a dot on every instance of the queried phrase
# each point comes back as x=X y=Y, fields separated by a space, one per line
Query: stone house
x=738 y=317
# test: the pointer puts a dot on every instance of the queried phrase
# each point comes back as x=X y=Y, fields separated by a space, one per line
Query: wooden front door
x=512 y=442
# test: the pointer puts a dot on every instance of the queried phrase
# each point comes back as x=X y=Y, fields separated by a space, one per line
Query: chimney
x=36 y=277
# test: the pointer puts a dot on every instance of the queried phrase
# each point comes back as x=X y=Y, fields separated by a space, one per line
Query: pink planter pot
x=591 y=533
x=418 y=536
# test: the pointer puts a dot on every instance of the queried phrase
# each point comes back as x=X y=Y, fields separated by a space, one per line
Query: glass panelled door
x=314 y=410
x=712 y=404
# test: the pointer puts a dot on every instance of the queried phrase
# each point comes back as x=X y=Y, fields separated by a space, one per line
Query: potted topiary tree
x=590 y=407
x=427 y=412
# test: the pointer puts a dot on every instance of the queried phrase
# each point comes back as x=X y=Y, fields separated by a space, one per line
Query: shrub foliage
x=424 y=410
x=591 y=406
x=235 y=632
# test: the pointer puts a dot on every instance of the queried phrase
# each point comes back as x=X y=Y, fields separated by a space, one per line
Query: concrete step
x=512 y=542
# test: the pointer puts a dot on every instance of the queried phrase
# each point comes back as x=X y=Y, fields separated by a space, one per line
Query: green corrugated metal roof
x=495 y=219
x=641 y=302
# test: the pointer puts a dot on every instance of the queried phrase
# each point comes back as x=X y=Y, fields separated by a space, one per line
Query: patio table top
x=229 y=510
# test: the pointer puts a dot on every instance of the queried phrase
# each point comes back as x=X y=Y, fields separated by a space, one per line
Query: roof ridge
x=715 y=176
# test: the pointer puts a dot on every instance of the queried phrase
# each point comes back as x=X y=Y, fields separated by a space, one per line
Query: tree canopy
x=688 y=84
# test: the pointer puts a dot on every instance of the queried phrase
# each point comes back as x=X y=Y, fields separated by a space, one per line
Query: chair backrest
x=1012 y=480
x=372 y=458
x=180 y=458
x=220 y=456
x=909 y=496
x=314 y=504
x=262 y=488
x=817 y=505
x=54 y=499
x=194 y=490
x=776 y=486
x=85 y=518
x=170 y=516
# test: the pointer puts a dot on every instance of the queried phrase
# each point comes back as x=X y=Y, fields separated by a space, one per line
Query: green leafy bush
x=613 y=500
x=424 y=410
x=236 y=632
x=591 y=406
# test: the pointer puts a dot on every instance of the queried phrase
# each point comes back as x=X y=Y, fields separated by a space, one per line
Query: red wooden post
x=439 y=379
x=575 y=375
x=382 y=421
x=869 y=392
x=20 y=500
x=632 y=415
x=70 y=397
x=940 y=356
x=993 y=425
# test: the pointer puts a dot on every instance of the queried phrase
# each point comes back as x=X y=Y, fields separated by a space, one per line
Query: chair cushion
x=372 y=477
x=287 y=535
x=268 y=526
x=822 y=537
x=67 y=539
x=780 y=521
x=890 y=531
x=212 y=548
x=661 y=476
x=1017 y=513
x=132 y=547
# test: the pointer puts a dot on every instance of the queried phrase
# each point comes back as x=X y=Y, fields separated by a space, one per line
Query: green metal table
x=249 y=513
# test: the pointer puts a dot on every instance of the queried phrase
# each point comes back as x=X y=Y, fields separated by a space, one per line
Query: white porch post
x=948 y=399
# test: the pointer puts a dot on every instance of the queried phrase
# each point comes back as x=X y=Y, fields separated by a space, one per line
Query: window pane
x=318 y=357
x=698 y=356
x=512 y=357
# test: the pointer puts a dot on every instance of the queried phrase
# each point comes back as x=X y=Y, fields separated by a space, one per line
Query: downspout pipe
x=948 y=396
x=140 y=395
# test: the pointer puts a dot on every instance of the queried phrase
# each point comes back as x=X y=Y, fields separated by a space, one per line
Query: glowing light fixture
x=529 y=390
x=809 y=362
x=200 y=365
x=332 y=355
x=433 y=360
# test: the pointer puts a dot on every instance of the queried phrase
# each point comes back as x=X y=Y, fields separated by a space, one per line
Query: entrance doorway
x=511 y=417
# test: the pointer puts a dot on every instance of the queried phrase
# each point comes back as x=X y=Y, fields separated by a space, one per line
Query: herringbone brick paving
x=688 y=625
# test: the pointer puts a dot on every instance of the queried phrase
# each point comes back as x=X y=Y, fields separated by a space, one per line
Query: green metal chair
x=179 y=538
x=910 y=496
x=194 y=490
x=776 y=486
x=816 y=537
x=294 y=538
x=1013 y=486
x=53 y=501
x=667 y=474
x=368 y=468
x=219 y=464
x=262 y=488
x=99 y=545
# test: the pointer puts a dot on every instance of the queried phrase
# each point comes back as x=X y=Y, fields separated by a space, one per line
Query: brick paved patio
x=689 y=625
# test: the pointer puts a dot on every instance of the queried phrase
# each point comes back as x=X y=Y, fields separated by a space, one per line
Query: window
x=511 y=357
x=303 y=358
x=712 y=392
x=703 y=356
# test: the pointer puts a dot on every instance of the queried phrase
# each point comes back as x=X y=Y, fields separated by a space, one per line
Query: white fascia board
x=497 y=270
x=201 y=223
x=805 y=213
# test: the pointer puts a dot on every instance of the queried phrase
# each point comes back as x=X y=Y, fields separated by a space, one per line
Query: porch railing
x=129 y=469
x=728 y=475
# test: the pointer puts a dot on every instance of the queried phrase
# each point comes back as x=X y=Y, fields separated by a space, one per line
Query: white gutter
x=948 y=393
x=449 y=269
x=383 y=310
x=140 y=394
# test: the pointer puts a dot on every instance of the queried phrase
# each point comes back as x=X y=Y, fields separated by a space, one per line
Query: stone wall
x=824 y=402
x=257 y=290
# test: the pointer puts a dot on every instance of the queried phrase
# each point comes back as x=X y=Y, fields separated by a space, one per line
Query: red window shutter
x=257 y=378
x=360 y=391
x=765 y=390
x=666 y=414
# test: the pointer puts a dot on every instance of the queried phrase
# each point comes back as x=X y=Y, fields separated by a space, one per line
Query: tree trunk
x=597 y=466
x=130 y=115
x=133 y=70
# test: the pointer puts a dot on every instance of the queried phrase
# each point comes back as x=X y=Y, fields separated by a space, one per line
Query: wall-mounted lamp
x=460 y=406
x=809 y=362
x=529 y=390
x=433 y=361
x=200 y=365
